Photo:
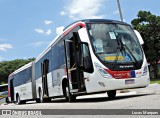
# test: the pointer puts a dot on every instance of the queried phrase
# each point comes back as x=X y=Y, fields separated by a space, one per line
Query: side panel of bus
x=50 y=71
x=22 y=84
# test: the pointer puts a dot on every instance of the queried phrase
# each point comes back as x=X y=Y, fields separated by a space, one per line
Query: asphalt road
x=144 y=98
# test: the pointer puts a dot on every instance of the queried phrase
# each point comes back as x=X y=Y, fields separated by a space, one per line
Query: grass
x=155 y=81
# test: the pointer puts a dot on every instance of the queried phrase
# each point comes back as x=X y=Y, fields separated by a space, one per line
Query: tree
x=7 y=67
x=149 y=27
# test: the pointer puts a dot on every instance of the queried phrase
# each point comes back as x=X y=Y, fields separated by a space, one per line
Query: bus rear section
x=21 y=85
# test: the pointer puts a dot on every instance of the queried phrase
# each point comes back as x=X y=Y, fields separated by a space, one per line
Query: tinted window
x=22 y=77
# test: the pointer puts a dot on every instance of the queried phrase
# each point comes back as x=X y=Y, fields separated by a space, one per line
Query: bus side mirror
x=86 y=61
x=139 y=37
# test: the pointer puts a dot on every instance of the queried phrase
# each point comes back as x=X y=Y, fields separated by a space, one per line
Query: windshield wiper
x=117 y=55
x=118 y=50
x=136 y=62
x=121 y=47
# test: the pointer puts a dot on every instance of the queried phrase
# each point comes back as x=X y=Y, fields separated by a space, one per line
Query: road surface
x=144 y=98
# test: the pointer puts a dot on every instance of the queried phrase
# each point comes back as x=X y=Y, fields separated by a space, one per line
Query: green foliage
x=7 y=67
x=149 y=27
x=153 y=81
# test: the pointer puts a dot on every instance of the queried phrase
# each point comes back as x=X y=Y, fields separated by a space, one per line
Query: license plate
x=131 y=81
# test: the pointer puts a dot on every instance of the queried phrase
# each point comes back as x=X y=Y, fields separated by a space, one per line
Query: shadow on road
x=99 y=99
x=91 y=100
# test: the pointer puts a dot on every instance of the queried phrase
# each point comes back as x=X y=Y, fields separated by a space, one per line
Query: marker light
x=102 y=71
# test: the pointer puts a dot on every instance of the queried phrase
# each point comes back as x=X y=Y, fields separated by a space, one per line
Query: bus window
x=87 y=62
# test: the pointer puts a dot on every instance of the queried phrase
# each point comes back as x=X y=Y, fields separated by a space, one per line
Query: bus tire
x=7 y=100
x=48 y=100
x=38 y=100
x=23 y=102
x=18 y=101
x=69 y=96
x=41 y=99
x=111 y=94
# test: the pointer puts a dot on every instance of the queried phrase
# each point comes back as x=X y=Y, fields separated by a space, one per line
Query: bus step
x=78 y=90
x=80 y=93
x=74 y=90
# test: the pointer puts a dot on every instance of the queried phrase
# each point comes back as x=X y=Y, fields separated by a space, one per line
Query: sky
x=28 y=26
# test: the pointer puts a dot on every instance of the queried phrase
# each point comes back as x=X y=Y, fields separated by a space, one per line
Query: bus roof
x=96 y=21
x=23 y=67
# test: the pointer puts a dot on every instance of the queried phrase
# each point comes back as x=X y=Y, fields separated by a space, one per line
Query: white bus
x=89 y=56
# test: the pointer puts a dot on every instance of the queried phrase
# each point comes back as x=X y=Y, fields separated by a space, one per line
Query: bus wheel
x=69 y=96
x=41 y=100
x=37 y=100
x=47 y=99
x=111 y=94
x=18 y=101
x=7 y=100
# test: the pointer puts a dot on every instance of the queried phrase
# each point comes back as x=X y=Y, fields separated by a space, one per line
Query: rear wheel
x=69 y=96
x=111 y=94
x=18 y=101
x=47 y=99
x=23 y=102
x=7 y=100
x=38 y=100
x=41 y=100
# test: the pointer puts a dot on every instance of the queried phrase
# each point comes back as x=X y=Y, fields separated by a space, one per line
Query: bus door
x=11 y=90
x=44 y=67
x=73 y=61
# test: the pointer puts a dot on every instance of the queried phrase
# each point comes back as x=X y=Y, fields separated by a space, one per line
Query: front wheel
x=111 y=94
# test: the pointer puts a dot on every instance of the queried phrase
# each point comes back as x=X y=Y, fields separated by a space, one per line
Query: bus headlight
x=145 y=70
x=102 y=71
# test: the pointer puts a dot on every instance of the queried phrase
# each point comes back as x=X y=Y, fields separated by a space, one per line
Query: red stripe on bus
x=119 y=74
x=9 y=92
x=78 y=24
x=11 y=74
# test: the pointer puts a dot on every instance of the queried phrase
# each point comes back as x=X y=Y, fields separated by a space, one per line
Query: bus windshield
x=115 y=43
